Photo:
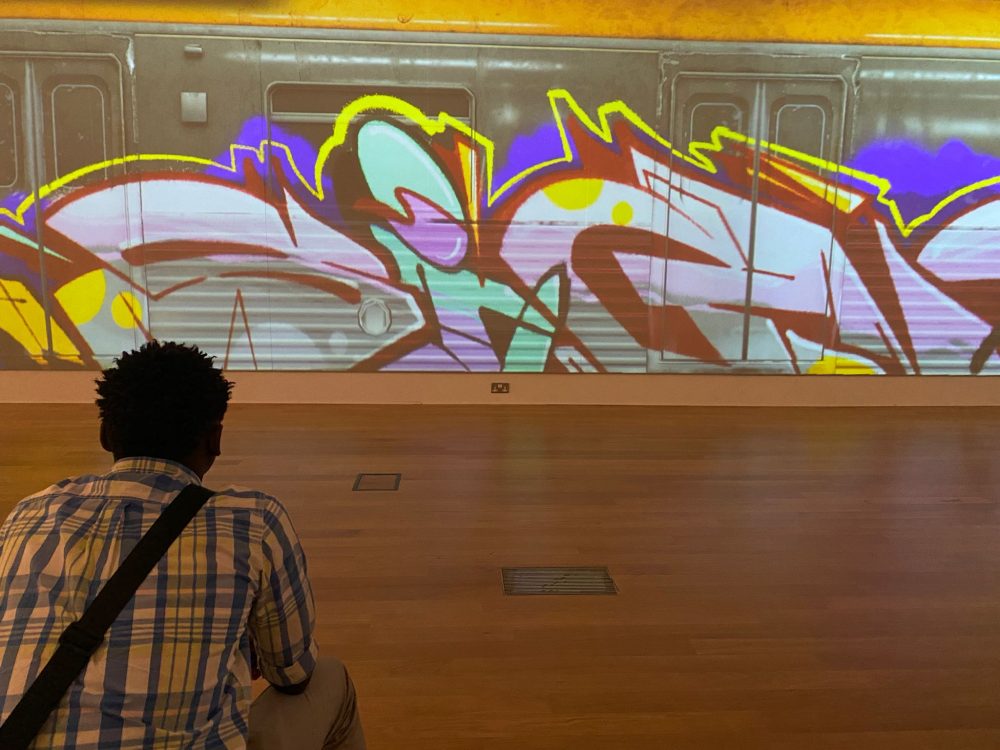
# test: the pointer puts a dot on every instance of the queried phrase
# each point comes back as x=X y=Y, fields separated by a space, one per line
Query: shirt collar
x=147 y=465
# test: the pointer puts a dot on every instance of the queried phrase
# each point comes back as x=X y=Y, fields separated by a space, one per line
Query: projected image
x=403 y=240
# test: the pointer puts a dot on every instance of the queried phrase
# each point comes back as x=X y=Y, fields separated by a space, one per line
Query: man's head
x=164 y=400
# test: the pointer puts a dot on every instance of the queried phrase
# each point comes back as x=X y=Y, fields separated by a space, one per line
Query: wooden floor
x=789 y=579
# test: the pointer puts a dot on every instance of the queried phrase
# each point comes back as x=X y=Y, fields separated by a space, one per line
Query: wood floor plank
x=807 y=579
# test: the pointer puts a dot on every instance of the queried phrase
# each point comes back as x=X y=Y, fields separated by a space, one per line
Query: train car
x=779 y=187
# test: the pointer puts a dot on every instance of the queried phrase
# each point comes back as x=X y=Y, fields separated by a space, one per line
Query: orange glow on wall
x=962 y=23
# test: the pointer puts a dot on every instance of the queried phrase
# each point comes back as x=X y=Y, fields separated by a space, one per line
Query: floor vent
x=377 y=482
x=557 y=581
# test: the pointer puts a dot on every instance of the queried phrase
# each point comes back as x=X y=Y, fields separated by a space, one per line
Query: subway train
x=300 y=191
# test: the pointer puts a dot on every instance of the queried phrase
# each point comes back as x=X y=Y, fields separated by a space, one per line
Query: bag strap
x=81 y=639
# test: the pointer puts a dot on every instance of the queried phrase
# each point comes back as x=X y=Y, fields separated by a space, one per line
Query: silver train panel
x=402 y=202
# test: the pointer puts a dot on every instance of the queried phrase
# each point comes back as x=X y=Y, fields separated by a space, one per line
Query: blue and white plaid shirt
x=174 y=670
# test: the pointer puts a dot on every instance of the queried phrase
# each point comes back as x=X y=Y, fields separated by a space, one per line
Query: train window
x=705 y=116
x=79 y=127
x=8 y=136
x=704 y=112
x=289 y=100
x=309 y=109
x=801 y=125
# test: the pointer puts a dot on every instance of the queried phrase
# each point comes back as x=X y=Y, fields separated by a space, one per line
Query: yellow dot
x=574 y=195
x=621 y=214
x=126 y=310
x=83 y=297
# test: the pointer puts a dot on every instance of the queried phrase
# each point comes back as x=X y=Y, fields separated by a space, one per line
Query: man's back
x=174 y=670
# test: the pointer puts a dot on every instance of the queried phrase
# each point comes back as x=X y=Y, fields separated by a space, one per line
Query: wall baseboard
x=659 y=390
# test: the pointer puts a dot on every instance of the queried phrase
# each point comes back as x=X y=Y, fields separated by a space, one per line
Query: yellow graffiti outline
x=883 y=185
x=699 y=152
x=45 y=191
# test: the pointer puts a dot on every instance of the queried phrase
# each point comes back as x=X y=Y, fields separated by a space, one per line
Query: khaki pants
x=325 y=715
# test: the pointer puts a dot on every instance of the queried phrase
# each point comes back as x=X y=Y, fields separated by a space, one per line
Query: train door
x=61 y=129
x=750 y=272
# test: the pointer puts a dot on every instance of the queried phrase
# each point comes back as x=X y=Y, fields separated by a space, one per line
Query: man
x=175 y=668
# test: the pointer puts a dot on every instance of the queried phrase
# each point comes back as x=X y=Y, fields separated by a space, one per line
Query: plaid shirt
x=174 y=670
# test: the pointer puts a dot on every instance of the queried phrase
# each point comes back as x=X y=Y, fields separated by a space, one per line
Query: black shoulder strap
x=81 y=639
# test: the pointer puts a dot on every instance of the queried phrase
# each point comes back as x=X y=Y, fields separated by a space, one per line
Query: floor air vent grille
x=557 y=581
x=376 y=482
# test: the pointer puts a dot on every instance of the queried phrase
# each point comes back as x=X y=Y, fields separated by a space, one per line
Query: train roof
x=959 y=23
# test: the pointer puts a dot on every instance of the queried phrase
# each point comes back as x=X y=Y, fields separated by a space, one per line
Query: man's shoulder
x=70 y=486
x=49 y=501
x=269 y=509
x=95 y=485
x=237 y=495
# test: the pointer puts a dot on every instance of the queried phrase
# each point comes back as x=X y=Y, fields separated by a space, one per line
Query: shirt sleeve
x=283 y=621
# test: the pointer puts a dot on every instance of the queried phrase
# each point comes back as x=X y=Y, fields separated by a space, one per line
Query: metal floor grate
x=557 y=581
x=376 y=482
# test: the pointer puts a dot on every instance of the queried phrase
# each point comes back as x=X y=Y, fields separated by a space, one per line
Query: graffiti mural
x=402 y=243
